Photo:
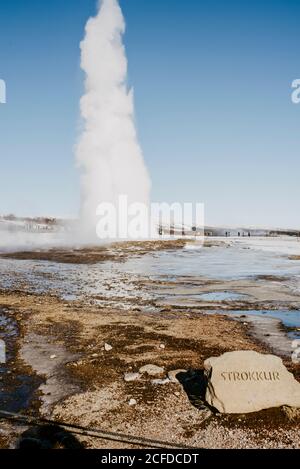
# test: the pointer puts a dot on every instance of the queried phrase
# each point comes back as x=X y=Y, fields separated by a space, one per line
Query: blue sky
x=212 y=85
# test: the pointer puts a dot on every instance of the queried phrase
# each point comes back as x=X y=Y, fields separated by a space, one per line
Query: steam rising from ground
x=20 y=240
x=108 y=152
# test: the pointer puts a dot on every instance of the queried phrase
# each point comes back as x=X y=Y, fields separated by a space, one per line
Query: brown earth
x=93 y=255
x=63 y=342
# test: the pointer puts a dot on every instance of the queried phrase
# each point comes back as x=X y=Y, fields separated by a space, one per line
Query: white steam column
x=108 y=152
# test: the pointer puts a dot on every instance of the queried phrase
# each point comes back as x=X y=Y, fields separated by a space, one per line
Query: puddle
x=289 y=319
x=272 y=328
x=16 y=389
x=221 y=296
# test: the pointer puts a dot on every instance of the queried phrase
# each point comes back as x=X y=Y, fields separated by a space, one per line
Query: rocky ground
x=138 y=370
x=88 y=360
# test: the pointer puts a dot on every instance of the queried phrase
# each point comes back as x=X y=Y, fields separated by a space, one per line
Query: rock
x=107 y=347
x=132 y=402
x=162 y=346
x=247 y=381
x=160 y=381
x=172 y=375
x=52 y=357
x=131 y=377
x=152 y=370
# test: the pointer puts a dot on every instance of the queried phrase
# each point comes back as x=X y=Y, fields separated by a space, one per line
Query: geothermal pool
x=257 y=275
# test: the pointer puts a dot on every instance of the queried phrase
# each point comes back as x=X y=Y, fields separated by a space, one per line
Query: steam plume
x=108 y=152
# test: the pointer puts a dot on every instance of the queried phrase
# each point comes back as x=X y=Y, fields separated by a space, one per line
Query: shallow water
x=219 y=296
x=224 y=263
x=232 y=262
x=113 y=283
x=290 y=319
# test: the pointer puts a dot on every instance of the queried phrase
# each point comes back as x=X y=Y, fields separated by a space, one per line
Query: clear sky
x=212 y=83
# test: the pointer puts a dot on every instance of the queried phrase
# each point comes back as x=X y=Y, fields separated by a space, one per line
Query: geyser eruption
x=108 y=152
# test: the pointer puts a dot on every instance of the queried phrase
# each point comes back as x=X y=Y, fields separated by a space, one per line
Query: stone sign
x=247 y=381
